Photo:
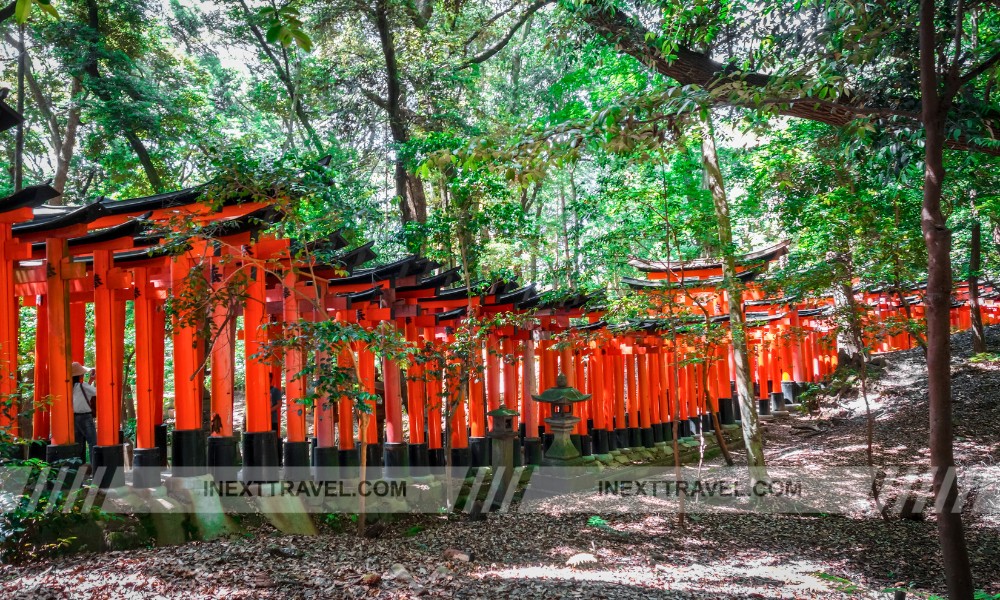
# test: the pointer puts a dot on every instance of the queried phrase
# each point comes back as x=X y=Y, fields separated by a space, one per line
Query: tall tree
x=737 y=319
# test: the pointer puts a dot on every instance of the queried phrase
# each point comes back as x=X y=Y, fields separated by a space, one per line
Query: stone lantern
x=562 y=452
x=503 y=435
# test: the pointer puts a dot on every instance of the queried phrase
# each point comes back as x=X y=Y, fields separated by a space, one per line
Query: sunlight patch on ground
x=795 y=579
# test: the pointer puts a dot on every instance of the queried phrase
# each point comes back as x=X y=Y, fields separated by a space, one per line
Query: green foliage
x=39 y=524
x=285 y=27
x=839 y=583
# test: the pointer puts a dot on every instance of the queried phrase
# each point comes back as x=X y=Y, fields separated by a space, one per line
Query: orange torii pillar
x=586 y=408
x=188 y=450
x=492 y=375
x=459 y=434
x=568 y=367
x=709 y=393
x=41 y=413
x=159 y=323
x=632 y=414
x=222 y=444
x=511 y=387
x=435 y=451
x=416 y=402
x=9 y=319
x=618 y=379
x=146 y=459
x=394 y=453
x=653 y=374
x=326 y=454
x=478 y=449
x=796 y=342
x=599 y=387
x=78 y=331
x=58 y=271
x=348 y=454
x=529 y=408
x=693 y=396
x=366 y=370
x=808 y=357
x=670 y=385
x=726 y=402
x=109 y=452
x=415 y=399
x=657 y=391
x=547 y=368
x=774 y=372
x=610 y=401
x=645 y=421
x=762 y=365
x=260 y=441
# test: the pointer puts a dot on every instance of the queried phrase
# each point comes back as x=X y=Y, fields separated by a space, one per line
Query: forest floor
x=561 y=553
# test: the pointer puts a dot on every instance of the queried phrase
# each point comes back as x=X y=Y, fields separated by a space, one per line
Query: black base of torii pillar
x=109 y=466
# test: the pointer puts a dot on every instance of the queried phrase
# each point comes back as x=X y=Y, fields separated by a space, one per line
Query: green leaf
x=22 y=10
x=302 y=39
x=48 y=9
x=274 y=33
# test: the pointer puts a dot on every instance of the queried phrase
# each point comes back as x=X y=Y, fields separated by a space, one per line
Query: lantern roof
x=503 y=411
x=561 y=393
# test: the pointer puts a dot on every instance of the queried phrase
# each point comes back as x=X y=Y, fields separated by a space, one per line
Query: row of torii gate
x=110 y=253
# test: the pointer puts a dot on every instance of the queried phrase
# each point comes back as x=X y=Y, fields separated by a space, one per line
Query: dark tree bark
x=937 y=238
x=975 y=264
x=409 y=187
x=7 y=12
x=22 y=62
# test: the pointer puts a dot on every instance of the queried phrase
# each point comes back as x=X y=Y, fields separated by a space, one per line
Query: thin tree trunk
x=22 y=62
x=744 y=384
x=975 y=264
x=68 y=146
x=937 y=239
x=537 y=242
x=850 y=343
x=565 y=235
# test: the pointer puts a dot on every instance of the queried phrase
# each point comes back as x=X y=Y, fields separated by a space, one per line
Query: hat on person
x=78 y=370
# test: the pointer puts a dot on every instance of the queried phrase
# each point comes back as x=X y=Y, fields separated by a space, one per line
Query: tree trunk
x=850 y=339
x=937 y=239
x=744 y=384
x=409 y=187
x=68 y=146
x=975 y=264
x=22 y=63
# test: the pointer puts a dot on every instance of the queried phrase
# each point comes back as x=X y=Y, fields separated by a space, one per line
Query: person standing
x=84 y=409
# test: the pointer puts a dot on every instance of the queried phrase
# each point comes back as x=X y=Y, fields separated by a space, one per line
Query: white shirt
x=80 y=404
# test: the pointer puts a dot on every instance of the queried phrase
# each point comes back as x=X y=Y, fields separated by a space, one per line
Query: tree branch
x=689 y=67
x=984 y=66
x=488 y=22
x=492 y=50
x=375 y=99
